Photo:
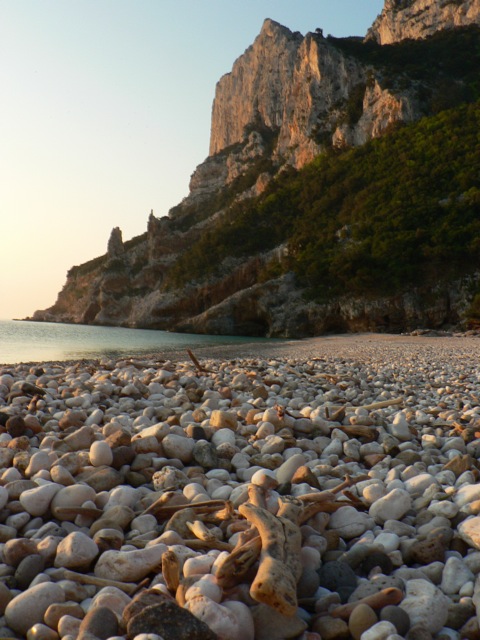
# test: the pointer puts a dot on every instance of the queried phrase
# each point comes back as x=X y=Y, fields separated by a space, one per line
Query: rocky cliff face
x=416 y=19
x=287 y=99
x=298 y=89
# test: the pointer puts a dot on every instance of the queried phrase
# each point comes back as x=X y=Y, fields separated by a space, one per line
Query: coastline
x=355 y=345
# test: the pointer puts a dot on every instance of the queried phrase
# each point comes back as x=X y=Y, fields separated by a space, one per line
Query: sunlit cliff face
x=416 y=19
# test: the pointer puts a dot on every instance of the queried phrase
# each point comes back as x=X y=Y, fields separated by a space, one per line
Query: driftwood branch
x=197 y=364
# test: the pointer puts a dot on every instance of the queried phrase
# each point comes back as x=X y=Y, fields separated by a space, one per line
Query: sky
x=105 y=113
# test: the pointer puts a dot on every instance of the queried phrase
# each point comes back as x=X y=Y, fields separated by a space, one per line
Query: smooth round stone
x=198 y=565
x=61 y=475
x=29 y=607
x=469 y=531
x=362 y=618
x=129 y=566
x=393 y=506
x=123 y=496
x=76 y=551
x=144 y=523
x=417 y=485
x=223 y=436
x=207 y=587
x=455 y=575
x=443 y=508
x=28 y=569
x=466 y=494
x=180 y=447
x=350 y=523
x=100 y=453
x=37 y=501
x=338 y=576
x=40 y=460
x=15 y=550
x=380 y=631
x=398 y=617
x=425 y=604
x=68 y=627
x=112 y=598
x=60 y=609
x=389 y=541
x=71 y=496
x=373 y=492
x=4 y=497
x=42 y=632
x=221 y=620
x=285 y=472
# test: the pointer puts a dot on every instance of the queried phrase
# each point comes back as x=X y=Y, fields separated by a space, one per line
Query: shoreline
x=336 y=345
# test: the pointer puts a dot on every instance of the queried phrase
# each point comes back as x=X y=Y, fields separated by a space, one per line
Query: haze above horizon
x=106 y=113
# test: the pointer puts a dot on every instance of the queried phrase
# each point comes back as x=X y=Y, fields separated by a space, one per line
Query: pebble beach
x=323 y=489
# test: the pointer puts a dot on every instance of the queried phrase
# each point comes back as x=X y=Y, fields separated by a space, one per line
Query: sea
x=24 y=341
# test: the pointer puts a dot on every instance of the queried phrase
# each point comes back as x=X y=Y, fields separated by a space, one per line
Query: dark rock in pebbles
x=144 y=599
x=308 y=583
x=28 y=569
x=432 y=549
x=397 y=616
x=169 y=621
x=198 y=433
x=100 y=623
x=470 y=630
x=205 y=455
x=419 y=632
x=3 y=418
x=338 y=576
x=459 y=613
x=16 y=426
x=5 y=597
x=377 y=560
x=122 y=455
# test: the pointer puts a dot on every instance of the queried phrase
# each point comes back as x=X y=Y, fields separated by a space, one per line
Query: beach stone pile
x=322 y=497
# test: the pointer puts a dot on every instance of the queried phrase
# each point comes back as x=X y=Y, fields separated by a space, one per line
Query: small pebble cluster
x=320 y=494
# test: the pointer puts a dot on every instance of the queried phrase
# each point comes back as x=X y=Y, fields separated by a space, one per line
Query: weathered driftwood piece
x=274 y=584
x=197 y=544
x=289 y=513
x=391 y=595
x=256 y=496
x=358 y=431
x=171 y=570
x=382 y=404
x=89 y=512
x=164 y=511
x=83 y=578
x=201 y=532
x=197 y=364
x=237 y=565
x=326 y=500
x=179 y=522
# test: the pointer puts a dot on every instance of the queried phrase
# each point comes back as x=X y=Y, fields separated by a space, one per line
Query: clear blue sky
x=105 y=113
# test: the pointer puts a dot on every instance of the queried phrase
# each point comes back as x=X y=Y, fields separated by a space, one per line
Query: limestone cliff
x=416 y=19
x=298 y=89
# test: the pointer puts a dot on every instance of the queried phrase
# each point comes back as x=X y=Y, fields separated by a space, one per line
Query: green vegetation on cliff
x=400 y=211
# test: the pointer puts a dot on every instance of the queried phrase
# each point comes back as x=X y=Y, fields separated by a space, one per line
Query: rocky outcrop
x=416 y=19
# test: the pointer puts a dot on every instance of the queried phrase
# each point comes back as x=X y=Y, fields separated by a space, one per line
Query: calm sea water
x=45 y=341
